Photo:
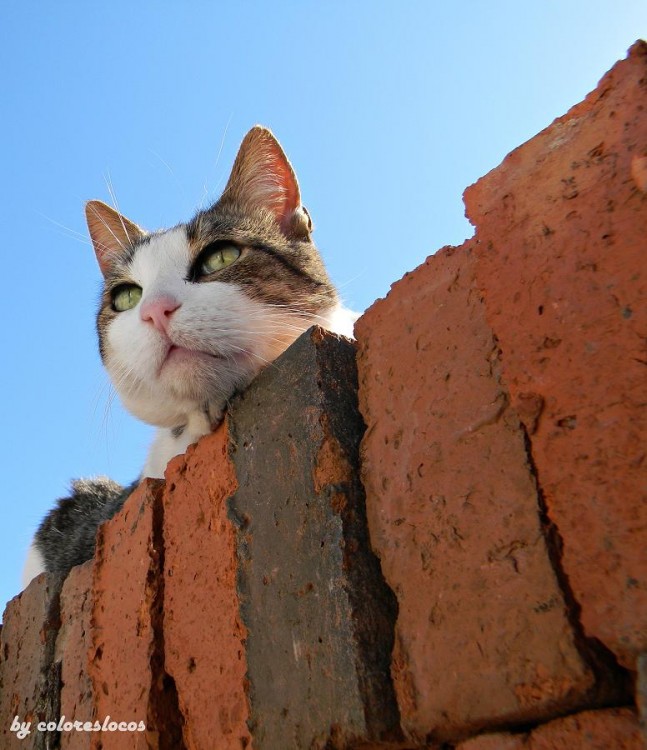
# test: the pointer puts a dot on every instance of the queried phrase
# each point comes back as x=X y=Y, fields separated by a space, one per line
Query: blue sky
x=387 y=111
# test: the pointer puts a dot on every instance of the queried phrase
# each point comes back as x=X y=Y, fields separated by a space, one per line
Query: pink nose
x=158 y=311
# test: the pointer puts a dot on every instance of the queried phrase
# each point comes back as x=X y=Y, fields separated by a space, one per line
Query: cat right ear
x=262 y=177
x=111 y=233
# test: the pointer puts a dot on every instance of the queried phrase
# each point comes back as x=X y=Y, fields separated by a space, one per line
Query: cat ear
x=262 y=177
x=111 y=233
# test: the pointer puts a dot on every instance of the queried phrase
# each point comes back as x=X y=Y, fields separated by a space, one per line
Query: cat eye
x=125 y=297
x=215 y=258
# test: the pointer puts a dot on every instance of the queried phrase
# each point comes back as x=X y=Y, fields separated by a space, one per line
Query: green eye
x=125 y=297
x=216 y=260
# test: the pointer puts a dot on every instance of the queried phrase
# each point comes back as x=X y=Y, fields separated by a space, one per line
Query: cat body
x=189 y=316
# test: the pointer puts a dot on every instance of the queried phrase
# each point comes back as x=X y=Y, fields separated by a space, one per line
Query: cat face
x=191 y=314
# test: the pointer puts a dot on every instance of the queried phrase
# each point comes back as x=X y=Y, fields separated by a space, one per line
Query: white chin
x=186 y=385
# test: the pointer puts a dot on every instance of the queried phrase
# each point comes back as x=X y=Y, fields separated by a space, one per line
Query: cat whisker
x=172 y=173
x=67 y=231
x=104 y=395
x=113 y=197
x=285 y=314
x=292 y=310
x=222 y=140
x=248 y=352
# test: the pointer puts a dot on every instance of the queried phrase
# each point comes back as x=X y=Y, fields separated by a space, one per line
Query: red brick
x=641 y=692
x=29 y=679
x=204 y=637
x=125 y=596
x=318 y=613
x=560 y=238
x=612 y=729
x=72 y=651
x=498 y=741
x=482 y=634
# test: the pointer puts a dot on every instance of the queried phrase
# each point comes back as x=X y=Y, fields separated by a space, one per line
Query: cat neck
x=170 y=442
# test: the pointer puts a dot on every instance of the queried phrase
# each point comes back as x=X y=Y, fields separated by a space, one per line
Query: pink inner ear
x=105 y=258
x=289 y=192
x=111 y=233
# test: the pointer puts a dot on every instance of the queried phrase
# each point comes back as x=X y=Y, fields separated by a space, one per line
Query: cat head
x=191 y=314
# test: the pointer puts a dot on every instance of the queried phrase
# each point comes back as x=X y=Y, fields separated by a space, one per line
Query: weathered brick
x=497 y=741
x=73 y=643
x=560 y=238
x=611 y=729
x=29 y=676
x=482 y=635
x=318 y=615
x=203 y=635
x=641 y=692
x=124 y=666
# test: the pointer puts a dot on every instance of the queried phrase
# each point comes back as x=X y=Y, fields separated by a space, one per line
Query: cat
x=189 y=316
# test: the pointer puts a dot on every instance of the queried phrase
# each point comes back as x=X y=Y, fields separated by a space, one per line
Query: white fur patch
x=34 y=565
x=341 y=320
x=166 y=446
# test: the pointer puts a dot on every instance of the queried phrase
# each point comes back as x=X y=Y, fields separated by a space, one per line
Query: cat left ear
x=111 y=233
x=262 y=177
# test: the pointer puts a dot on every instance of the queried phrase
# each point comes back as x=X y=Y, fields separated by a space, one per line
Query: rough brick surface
x=73 y=644
x=641 y=693
x=611 y=729
x=29 y=677
x=204 y=637
x=318 y=614
x=125 y=597
x=496 y=741
x=453 y=512
x=561 y=228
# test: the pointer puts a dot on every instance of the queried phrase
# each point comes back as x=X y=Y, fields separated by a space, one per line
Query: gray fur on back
x=67 y=535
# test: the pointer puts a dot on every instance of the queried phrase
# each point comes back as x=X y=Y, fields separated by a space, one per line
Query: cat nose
x=158 y=311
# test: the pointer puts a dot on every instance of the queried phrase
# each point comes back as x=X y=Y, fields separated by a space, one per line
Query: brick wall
x=433 y=538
